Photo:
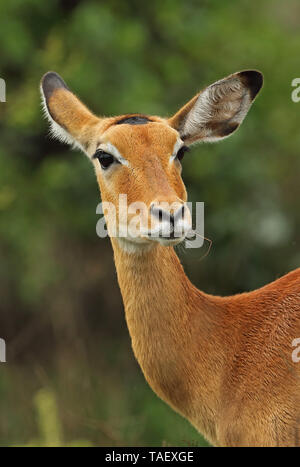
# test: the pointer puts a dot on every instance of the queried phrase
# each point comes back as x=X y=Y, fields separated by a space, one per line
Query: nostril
x=170 y=220
x=180 y=213
x=160 y=214
x=163 y=215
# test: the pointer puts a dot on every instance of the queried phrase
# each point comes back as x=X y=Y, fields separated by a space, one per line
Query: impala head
x=140 y=156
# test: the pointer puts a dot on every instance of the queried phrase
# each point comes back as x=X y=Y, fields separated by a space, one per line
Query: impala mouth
x=162 y=233
x=165 y=240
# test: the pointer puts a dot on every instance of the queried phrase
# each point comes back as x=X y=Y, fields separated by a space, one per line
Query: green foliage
x=58 y=290
x=49 y=425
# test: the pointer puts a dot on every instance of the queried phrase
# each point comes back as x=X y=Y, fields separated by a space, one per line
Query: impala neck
x=163 y=312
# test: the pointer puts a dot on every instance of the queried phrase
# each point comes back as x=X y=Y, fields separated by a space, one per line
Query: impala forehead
x=130 y=141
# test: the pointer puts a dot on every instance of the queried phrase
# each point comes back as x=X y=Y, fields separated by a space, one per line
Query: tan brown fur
x=224 y=363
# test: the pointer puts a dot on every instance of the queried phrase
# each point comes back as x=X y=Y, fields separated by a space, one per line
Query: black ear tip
x=51 y=81
x=253 y=79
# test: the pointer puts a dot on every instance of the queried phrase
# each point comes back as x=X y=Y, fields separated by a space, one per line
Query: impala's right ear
x=217 y=111
x=70 y=120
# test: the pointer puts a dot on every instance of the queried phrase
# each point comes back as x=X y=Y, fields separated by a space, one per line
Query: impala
x=224 y=363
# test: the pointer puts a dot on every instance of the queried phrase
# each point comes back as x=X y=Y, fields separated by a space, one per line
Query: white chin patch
x=170 y=242
x=134 y=246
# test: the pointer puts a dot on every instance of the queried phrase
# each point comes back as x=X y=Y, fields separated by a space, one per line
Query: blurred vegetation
x=61 y=311
x=49 y=424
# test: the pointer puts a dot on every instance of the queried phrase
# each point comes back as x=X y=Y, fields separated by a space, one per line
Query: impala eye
x=104 y=158
x=181 y=152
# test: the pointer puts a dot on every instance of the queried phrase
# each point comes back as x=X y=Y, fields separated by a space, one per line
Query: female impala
x=225 y=363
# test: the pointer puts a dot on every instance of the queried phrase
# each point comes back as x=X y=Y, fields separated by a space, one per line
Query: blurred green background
x=70 y=376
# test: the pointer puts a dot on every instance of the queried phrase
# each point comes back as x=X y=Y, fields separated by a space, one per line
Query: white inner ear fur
x=224 y=101
x=58 y=132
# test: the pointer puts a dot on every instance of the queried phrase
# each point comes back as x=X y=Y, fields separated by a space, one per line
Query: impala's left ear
x=219 y=109
x=70 y=120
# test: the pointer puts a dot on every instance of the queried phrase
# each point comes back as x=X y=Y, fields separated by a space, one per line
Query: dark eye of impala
x=181 y=152
x=104 y=158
